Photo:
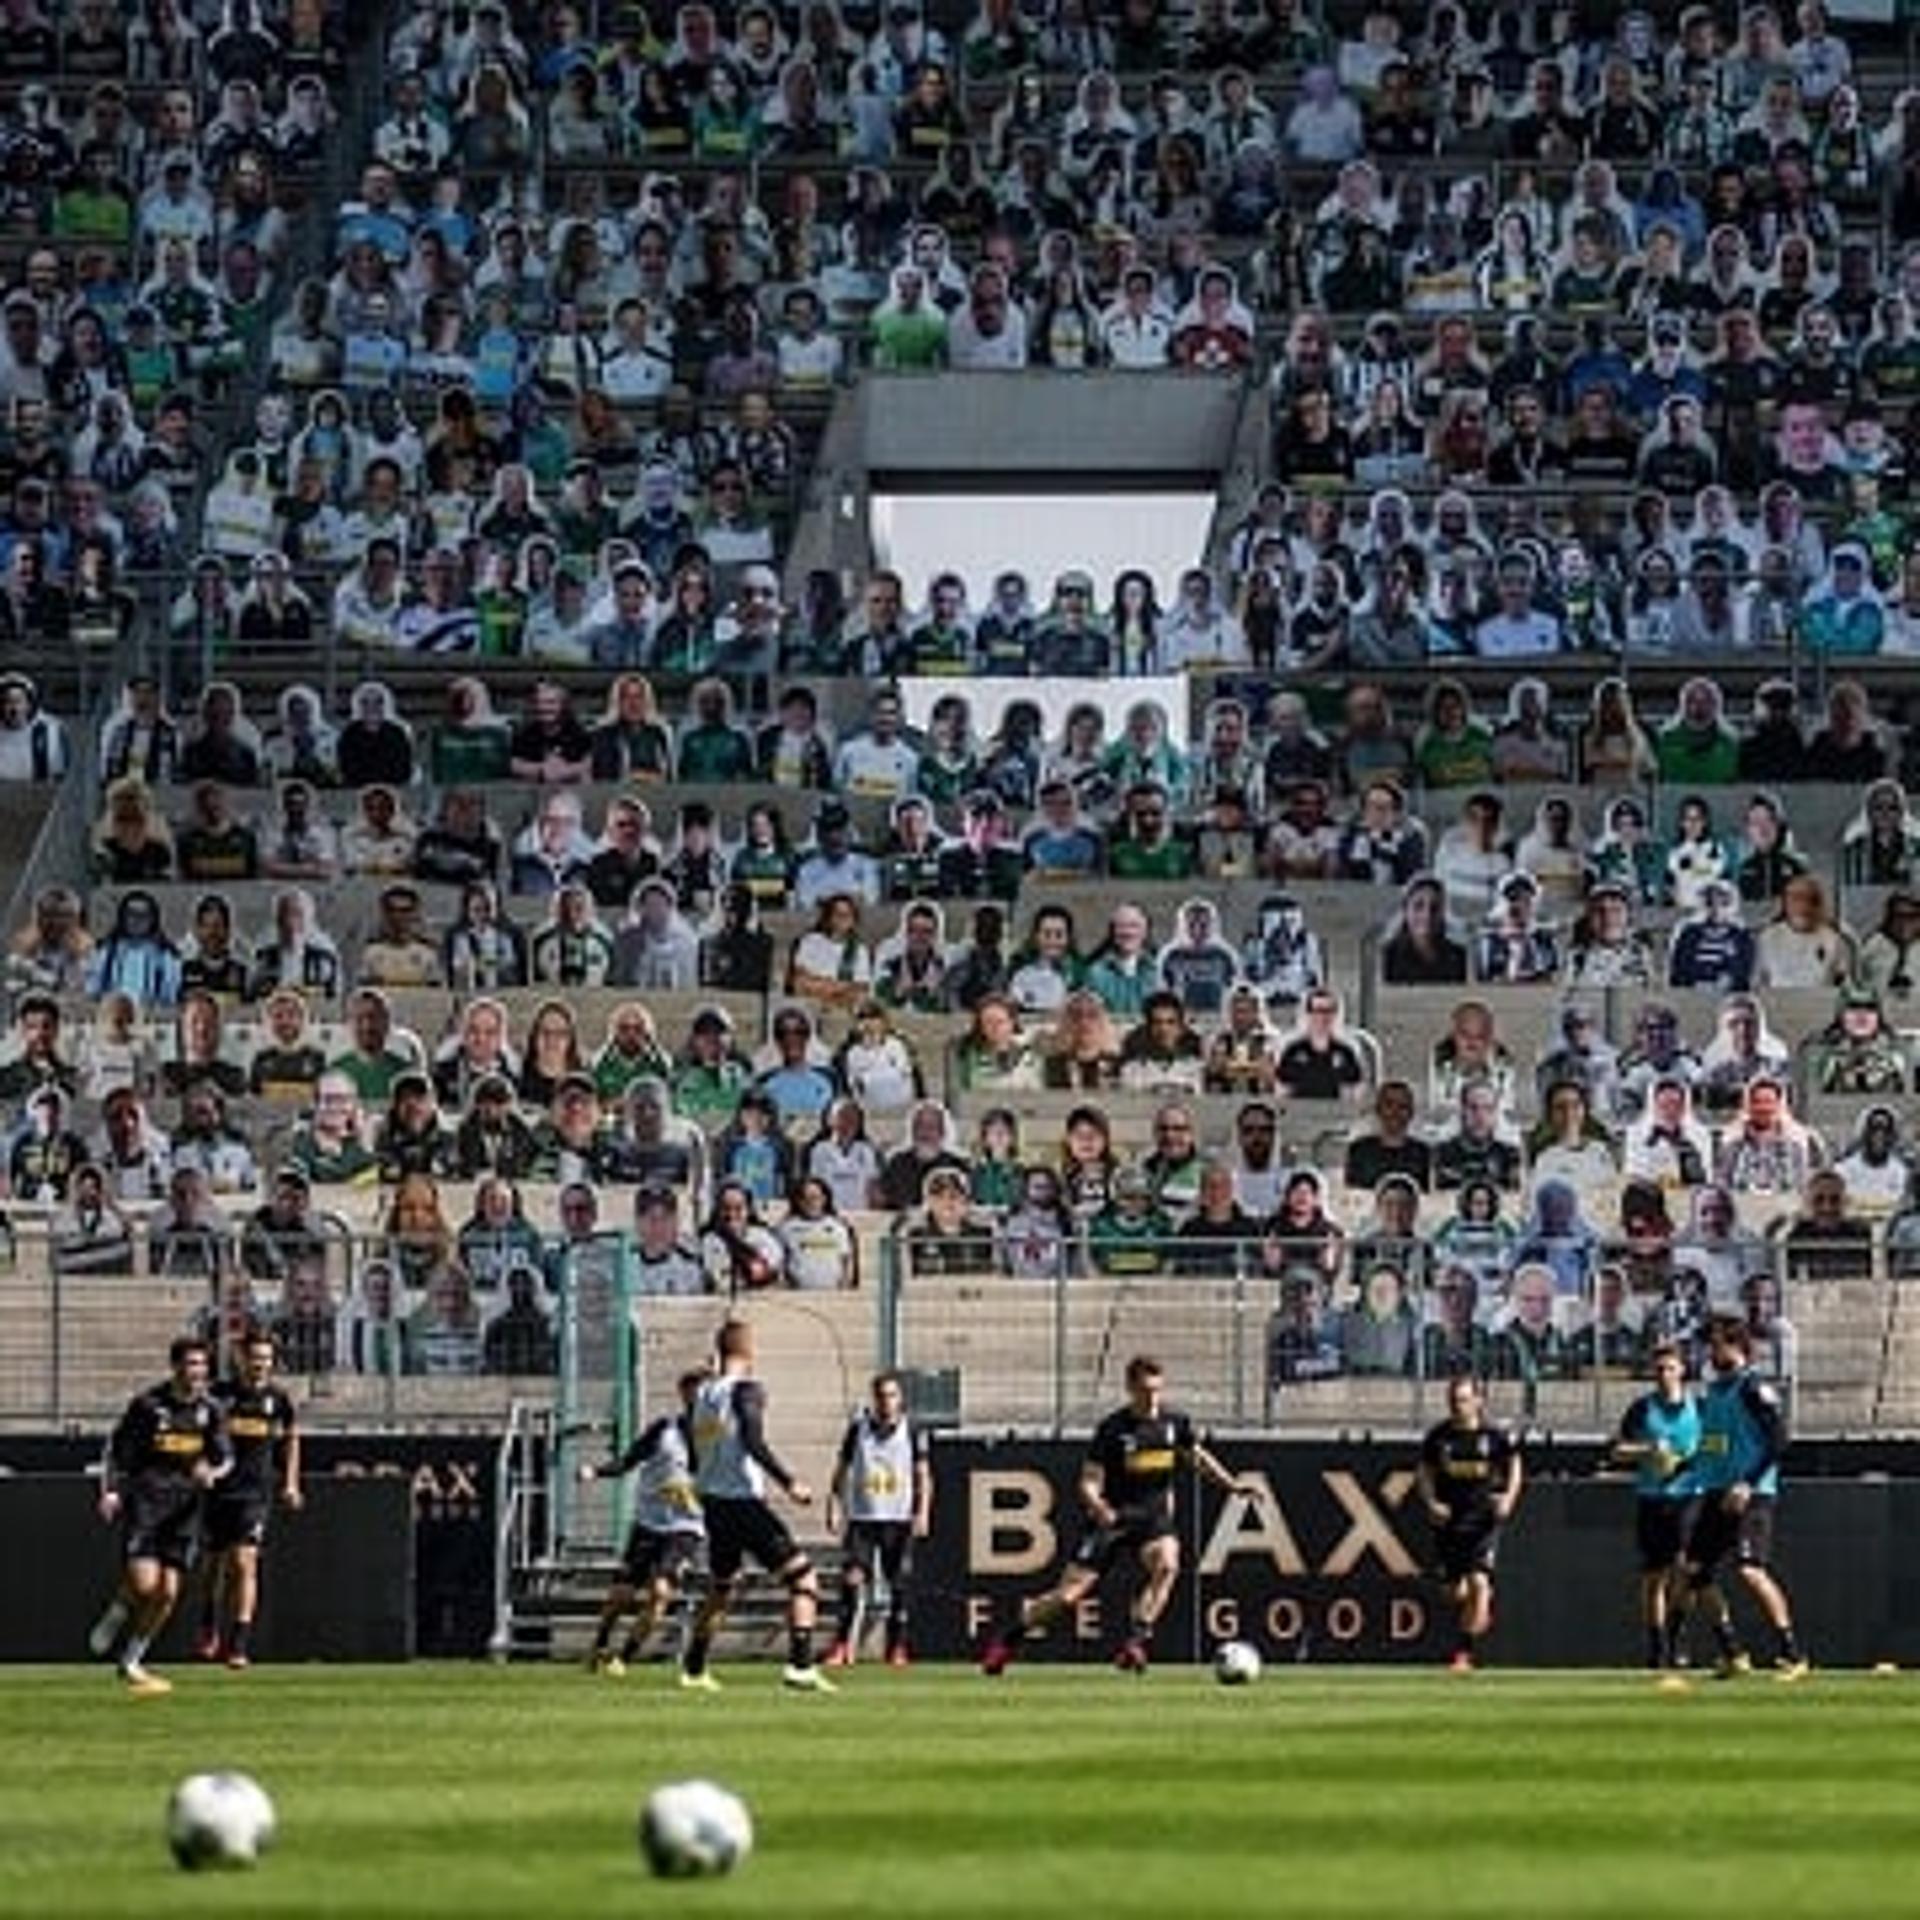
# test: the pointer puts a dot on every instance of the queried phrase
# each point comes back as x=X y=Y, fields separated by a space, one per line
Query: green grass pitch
x=471 y=1793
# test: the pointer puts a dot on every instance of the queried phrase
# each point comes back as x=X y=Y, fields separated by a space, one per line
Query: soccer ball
x=692 y=1827
x=219 y=1820
x=1236 y=1664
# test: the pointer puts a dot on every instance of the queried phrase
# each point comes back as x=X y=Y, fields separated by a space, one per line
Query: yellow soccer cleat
x=806 y=1680
x=698 y=1682
x=1791 y=1672
x=142 y=1685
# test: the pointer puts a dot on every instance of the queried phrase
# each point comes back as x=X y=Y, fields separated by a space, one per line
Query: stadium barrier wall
x=338 y=1582
x=446 y=1482
x=1331 y=1563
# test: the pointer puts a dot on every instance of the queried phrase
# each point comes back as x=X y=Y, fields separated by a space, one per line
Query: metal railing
x=1254 y=1335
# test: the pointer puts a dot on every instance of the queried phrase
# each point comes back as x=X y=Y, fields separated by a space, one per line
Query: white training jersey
x=665 y=1499
x=877 y=1465
x=723 y=1410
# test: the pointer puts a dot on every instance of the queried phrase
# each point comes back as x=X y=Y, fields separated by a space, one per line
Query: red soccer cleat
x=1132 y=1657
x=206 y=1645
x=1462 y=1662
x=840 y=1654
x=898 y=1657
x=997 y=1658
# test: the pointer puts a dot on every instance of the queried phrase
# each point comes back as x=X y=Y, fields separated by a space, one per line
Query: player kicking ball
x=664 y=1540
x=1659 y=1435
x=169 y=1447
x=1470 y=1480
x=732 y=1465
x=1127 y=1486
x=1736 y=1473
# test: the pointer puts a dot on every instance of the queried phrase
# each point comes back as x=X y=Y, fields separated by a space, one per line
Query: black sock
x=1140 y=1633
x=602 y=1633
x=800 y=1647
x=1725 y=1638
x=630 y=1651
x=238 y=1636
x=698 y=1647
x=1462 y=1643
x=1657 y=1647
x=1789 y=1643
x=896 y=1630
x=848 y=1608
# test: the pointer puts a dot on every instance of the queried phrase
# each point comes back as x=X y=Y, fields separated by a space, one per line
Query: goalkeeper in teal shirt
x=1660 y=1435
x=1736 y=1473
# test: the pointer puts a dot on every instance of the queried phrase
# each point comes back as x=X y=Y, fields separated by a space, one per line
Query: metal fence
x=378 y=1329
x=1253 y=1341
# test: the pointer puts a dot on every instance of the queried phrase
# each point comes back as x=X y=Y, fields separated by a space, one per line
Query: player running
x=169 y=1447
x=265 y=1444
x=882 y=1490
x=732 y=1465
x=1127 y=1485
x=664 y=1540
x=1659 y=1435
x=1470 y=1480
x=1736 y=1472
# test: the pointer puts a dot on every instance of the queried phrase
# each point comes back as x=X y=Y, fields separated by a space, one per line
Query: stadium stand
x=501 y=858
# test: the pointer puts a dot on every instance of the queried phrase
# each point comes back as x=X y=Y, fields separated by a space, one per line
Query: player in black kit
x=1127 y=1486
x=1470 y=1477
x=266 y=1466
x=169 y=1447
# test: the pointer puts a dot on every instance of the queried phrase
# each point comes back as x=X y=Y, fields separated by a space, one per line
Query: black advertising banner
x=1326 y=1558
x=1323 y=1558
x=337 y=1584
x=451 y=1479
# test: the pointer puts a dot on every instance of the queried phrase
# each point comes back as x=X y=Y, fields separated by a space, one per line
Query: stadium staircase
x=558 y=1540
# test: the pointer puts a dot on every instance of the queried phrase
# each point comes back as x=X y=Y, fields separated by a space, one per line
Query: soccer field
x=470 y=1793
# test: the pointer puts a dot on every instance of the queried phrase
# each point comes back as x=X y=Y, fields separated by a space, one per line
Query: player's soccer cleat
x=840 y=1654
x=1673 y=1683
x=206 y=1645
x=611 y=1665
x=1461 y=1662
x=142 y=1685
x=996 y=1657
x=238 y=1662
x=899 y=1657
x=698 y=1682
x=1788 y=1671
x=1733 y=1666
x=1132 y=1657
x=106 y=1630
x=806 y=1680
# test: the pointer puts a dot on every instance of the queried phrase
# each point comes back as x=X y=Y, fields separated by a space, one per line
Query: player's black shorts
x=1719 y=1532
x=1467 y=1545
x=652 y=1556
x=237 y=1520
x=741 y=1530
x=163 y=1527
x=885 y=1544
x=1660 y=1531
x=1130 y=1536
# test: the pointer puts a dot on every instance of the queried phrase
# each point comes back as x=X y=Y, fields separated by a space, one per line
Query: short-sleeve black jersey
x=259 y=1419
x=1140 y=1457
x=161 y=1438
x=1470 y=1467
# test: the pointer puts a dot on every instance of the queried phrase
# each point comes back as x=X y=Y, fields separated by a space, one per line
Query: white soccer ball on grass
x=690 y=1828
x=219 y=1820
x=1236 y=1664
